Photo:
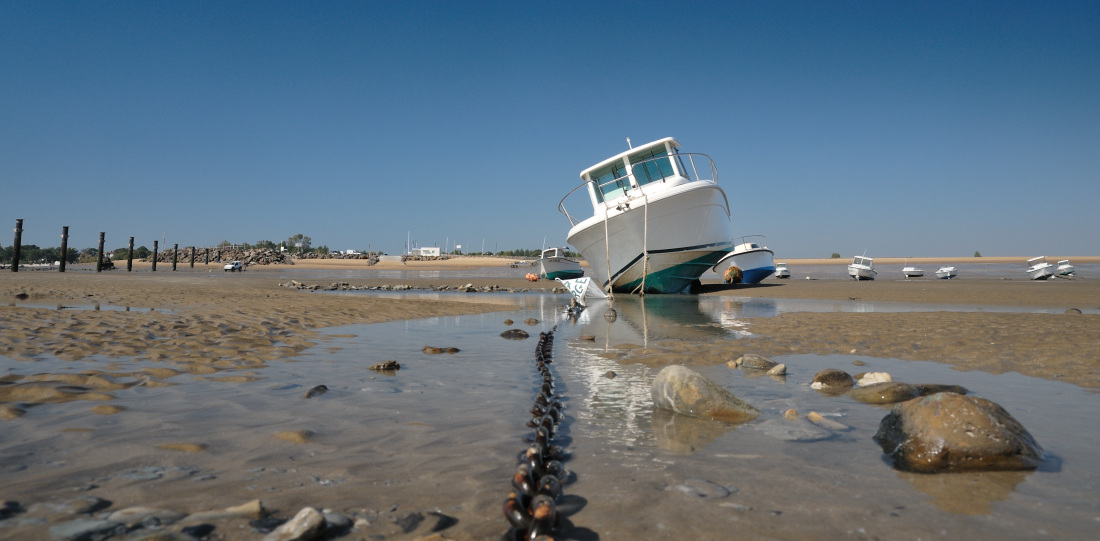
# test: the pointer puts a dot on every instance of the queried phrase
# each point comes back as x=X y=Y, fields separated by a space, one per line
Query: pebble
x=306 y=525
x=753 y=361
x=587 y=338
x=514 y=334
x=508 y=322
x=778 y=370
x=316 y=391
x=831 y=379
x=610 y=374
x=830 y=424
x=386 y=366
x=869 y=378
x=682 y=390
x=531 y=321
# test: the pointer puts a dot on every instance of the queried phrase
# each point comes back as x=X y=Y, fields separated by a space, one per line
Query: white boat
x=1065 y=269
x=862 y=268
x=910 y=271
x=659 y=219
x=1039 y=269
x=750 y=254
x=781 y=271
x=947 y=273
x=553 y=265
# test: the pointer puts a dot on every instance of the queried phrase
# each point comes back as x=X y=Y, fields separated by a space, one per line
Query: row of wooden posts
x=99 y=256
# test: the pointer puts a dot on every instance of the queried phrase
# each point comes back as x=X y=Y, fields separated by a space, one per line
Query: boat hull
x=555 y=267
x=861 y=273
x=946 y=273
x=756 y=264
x=1040 y=273
x=911 y=272
x=684 y=230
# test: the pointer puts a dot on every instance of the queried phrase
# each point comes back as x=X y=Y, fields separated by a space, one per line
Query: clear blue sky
x=903 y=129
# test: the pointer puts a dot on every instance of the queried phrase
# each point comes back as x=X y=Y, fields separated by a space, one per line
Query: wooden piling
x=130 y=257
x=155 y=244
x=17 y=245
x=64 y=248
x=175 y=255
x=99 y=254
x=192 y=257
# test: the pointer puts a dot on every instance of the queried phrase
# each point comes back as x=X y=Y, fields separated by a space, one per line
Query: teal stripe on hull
x=673 y=279
x=564 y=275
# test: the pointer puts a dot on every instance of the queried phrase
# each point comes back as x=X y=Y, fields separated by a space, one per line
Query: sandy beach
x=156 y=330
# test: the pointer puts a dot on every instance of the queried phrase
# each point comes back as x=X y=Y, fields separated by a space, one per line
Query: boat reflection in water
x=622 y=406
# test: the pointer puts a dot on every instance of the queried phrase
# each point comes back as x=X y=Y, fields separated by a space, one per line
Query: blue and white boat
x=750 y=254
x=659 y=219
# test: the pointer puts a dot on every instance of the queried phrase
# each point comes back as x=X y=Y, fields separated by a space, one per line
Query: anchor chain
x=532 y=508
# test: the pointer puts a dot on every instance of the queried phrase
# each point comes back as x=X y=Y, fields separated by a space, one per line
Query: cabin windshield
x=611 y=181
x=653 y=170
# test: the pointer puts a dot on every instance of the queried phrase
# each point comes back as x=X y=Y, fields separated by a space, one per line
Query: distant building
x=425 y=252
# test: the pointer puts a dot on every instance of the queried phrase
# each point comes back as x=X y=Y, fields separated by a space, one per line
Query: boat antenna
x=630 y=146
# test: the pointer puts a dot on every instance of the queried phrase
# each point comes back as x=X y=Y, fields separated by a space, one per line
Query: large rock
x=685 y=391
x=950 y=432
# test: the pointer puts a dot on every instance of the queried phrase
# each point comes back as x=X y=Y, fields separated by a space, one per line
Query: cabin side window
x=656 y=169
x=611 y=181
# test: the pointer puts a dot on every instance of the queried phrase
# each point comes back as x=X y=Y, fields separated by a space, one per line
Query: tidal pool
x=442 y=433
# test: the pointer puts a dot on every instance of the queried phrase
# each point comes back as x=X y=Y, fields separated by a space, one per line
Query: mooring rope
x=531 y=508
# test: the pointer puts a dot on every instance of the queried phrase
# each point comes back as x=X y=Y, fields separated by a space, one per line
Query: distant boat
x=1039 y=269
x=947 y=273
x=862 y=268
x=1065 y=269
x=910 y=271
x=553 y=265
x=781 y=271
x=750 y=254
x=658 y=220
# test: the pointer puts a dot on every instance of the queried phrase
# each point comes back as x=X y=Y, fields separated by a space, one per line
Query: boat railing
x=754 y=241
x=619 y=186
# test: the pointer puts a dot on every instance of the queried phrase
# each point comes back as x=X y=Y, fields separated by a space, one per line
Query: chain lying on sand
x=532 y=508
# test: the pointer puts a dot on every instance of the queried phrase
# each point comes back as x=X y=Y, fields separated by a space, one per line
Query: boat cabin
x=861 y=261
x=656 y=162
x=553 y=252
x=1037 y=261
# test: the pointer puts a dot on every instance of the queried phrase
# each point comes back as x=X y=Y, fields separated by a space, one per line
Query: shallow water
x=443 y=431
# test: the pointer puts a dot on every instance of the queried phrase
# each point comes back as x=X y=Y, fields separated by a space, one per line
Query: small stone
x=870 y=378
x=587 y=338
x=888 y=392
x=832 y=379
x=858 y=362
x=386 y=366
x=610 y=374
x=790 y=415
x=431 y=350
x=316 y=391
x=778 y=370
x=818 y=420
x=303 y=527
x=514 y=334
x=753 y=361
x=531 y=321
x=508 y=322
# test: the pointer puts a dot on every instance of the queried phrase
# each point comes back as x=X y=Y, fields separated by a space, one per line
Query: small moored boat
x=751 y=255
x=1039 y=269
x=553 y=264
x=862 y=268
x=1065 y=269
x=947 y=273
x=781 y=271
x=910 y=271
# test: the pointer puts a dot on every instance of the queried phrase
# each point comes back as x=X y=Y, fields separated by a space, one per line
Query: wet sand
x=219 y=332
